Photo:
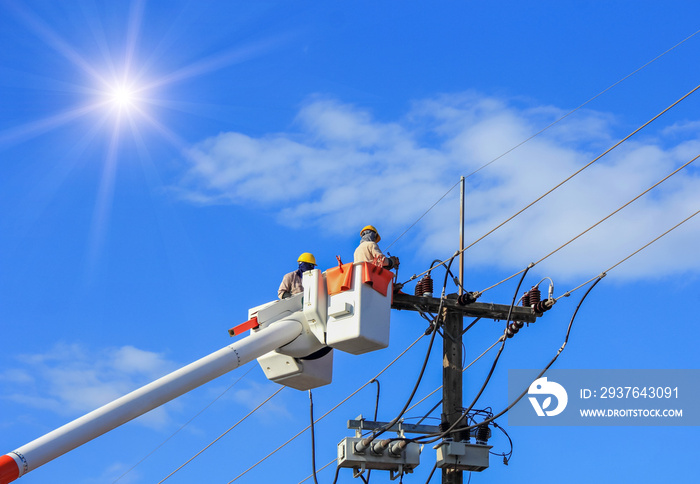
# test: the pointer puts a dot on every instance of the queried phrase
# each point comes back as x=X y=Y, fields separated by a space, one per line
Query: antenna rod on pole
x=461 y=236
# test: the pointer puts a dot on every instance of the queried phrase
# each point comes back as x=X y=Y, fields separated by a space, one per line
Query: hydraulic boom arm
x=346 y=308
x=56 y=443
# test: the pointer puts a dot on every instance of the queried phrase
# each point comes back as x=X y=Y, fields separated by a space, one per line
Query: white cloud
x=113 y=472
x=342 y=168
x=70 y=380
x=252 y=394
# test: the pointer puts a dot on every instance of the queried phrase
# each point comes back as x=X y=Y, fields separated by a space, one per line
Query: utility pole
x=452 y=350
x=452 y=381
x=452 y=354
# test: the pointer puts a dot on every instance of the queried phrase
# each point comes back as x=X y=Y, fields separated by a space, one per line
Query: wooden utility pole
x=452 y=349
x=452 y=380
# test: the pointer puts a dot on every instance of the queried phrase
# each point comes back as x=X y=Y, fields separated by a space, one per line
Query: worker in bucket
x=291 y=282
x=368 y=250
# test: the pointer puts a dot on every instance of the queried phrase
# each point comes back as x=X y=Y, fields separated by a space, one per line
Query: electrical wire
x=319 y=470
x=413 y=392
x=665 y=110
x=463 y=370
x=220 y=436
x=423 y=367
x=561 y=349
x=376 y=410
x=435 y=437
x=510 y=312
x=328 y=412
x=582 y=105
x=337 y=471
x=424 y=214
x=430 y=476
x=313 y=438
x=506 y=455
x=568 y=293
x=495 y=361
x=376 y=404
x=622 y=207
x=545 y=129
x=379 y=432
x=599 y=221
x=597 y=279
x=183 y=426
x=525 y=270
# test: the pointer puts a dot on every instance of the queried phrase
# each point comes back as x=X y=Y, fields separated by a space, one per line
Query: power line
x=313 y=437
x=597 y=223
x=319 y=470
x=183 y=426
x=582 y=105
x=566 y=339
x=463 y=370
x=665 y=110
x=568 y=293
x=425 y=362
x=495 y=361
x=428 y=439
x=424 y=214
x=329 y=411
x=558 y=120
x=623 y=206
x=220 y=436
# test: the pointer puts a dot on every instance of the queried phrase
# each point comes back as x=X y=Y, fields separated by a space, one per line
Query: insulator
x=397 y=448
x=362 y=445
x=424 y=287
x=534 y=295
x=427 y=286
x=419 y=288
x=526 y=299
x=482 y=434
x=378 y=447
x=543 y=306
x=513 y=328
x=466 y=299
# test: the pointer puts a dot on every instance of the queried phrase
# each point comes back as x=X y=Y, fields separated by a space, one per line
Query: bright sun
x=123 y=98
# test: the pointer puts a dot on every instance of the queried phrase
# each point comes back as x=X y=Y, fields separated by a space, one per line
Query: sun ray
x=125 y=94
x=105 y=196
x=167 y=134
x=35 y=128
x=215 y=62
x=132 y=35
x=57 y=43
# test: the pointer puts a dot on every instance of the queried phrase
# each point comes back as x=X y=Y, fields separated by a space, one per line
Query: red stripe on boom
x=8 y=469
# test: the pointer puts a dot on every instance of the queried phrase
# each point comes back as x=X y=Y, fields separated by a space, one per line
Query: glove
x=394 y=262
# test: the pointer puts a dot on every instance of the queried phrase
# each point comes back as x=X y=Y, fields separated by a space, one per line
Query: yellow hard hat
x=307 y=257
x=371 y=227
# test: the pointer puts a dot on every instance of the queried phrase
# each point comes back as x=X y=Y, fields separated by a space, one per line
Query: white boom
x=346 y=308
x=56 y=443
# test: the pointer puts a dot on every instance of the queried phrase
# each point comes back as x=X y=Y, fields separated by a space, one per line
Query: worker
x=368 y=250
x=291 y=282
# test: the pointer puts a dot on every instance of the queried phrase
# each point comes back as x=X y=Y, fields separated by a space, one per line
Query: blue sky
x=134 y=234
